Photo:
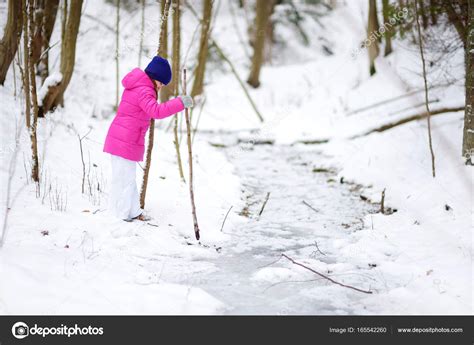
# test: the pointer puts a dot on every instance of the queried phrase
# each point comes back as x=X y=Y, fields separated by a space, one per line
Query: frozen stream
x=246 y=280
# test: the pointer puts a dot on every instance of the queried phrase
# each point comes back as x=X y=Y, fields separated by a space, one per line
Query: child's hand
x=187 y=101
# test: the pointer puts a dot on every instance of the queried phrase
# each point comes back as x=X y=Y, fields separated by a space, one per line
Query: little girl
x=125 y=139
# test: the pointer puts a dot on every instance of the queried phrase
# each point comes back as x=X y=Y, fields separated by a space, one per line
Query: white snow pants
x=124 y=202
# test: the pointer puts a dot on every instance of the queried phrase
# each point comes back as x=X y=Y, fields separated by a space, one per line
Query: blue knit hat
x=159 y=69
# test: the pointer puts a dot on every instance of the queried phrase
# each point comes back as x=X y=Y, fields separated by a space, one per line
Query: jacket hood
x=136 y=78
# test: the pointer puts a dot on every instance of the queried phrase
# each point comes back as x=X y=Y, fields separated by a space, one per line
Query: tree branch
x=408 y=119
x=324 y=276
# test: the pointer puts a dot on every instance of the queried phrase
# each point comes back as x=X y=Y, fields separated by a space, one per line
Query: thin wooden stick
x=428 y=117
x=311 y=207
x=175 y=84
x=382 y=202
x=324 y=276
x=317 y=247
x=264 y=203
x=82 y=157
x=222 y=227
x=190 y=153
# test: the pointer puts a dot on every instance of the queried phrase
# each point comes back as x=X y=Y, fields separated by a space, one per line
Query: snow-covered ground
x=64 y=254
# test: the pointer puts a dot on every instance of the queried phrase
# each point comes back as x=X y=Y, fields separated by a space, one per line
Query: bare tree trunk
x=166 y=92
x=468 y=132
x=71 y=22
x=203 y=49
x=433 y=170
x=434 y=12
x=455 y=19
x=11 y=37
x=117 y=36
x=388 y=32
x=29 y=85
x=270 y=33
x=424 y=16
x=44 y=18
x=49 y=18
x=33 y=129
x=37 y=31
x=372 y=29
x=64 y=19
x=151 y=134
x=25 y=72
x=175 y=83
x=190 y=155
x=263 y=13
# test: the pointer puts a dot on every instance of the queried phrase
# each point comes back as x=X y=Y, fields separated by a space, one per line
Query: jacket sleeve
x=147 y=102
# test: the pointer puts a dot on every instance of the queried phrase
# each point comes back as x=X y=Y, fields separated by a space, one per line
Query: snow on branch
x=51 y=81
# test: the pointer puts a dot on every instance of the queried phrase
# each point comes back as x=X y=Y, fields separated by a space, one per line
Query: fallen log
x=408 y=119
x=311 y=141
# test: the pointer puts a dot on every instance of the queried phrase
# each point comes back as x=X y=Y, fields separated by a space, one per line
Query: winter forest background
x=331 y=145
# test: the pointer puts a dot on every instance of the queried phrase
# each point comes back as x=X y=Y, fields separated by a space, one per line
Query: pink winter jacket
x=126 y=135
